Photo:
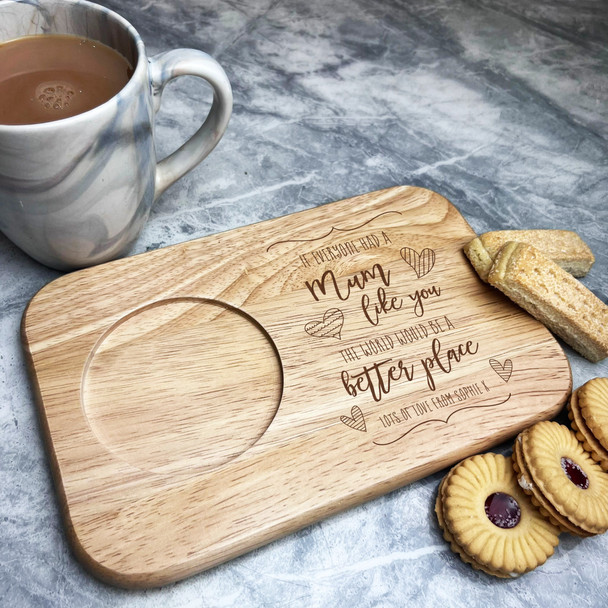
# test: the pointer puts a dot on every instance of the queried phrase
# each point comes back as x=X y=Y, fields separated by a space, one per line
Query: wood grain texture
x=202 y=400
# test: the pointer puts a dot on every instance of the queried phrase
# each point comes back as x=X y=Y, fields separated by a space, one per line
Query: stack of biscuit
x=489 y=521
x=568 y=487
x=504 y=516
x=536 y=269
x=588 y=413
x=564 y=247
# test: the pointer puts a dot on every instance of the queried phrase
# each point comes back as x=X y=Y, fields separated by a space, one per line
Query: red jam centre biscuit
x=502 y=510
x=574 y=473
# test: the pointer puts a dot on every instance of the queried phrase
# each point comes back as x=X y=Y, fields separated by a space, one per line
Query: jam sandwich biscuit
x=588 y=413
x=450 y=539
x=489 y=521
x=524 y=478
x=554 y=297
x=564 y=247
x=553 y=467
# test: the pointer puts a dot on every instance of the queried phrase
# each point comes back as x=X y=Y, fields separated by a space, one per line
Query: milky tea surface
x=49 y=77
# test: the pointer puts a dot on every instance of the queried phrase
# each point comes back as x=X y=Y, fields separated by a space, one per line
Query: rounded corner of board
x=35 y=301
x=114 y=575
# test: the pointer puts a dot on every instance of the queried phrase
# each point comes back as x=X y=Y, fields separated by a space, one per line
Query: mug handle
x=190 y=62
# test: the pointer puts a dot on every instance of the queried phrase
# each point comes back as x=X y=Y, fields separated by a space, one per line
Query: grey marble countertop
x=500 y=106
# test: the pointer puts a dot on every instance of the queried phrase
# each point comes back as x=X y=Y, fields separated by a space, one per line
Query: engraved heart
x=422 y=263
x=329 y=327
x=355 y=420
x=504 y=370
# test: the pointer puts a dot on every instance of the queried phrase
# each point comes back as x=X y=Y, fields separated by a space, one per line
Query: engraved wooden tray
x=202 y=400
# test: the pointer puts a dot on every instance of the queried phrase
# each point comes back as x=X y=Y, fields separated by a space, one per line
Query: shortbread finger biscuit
x=593 y=402
x=566 y=475
x=564 y=247
x=526 y=483
x=554 y=297
x=584 y=434
x=491 y=519
x=450 y=539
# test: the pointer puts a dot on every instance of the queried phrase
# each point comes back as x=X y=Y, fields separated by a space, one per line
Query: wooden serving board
x=201 y=400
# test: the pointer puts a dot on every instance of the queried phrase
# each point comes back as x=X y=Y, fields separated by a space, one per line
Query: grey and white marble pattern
x=77 y=192
x=499 y=105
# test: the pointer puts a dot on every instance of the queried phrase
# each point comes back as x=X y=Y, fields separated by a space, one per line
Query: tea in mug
x=49 y=77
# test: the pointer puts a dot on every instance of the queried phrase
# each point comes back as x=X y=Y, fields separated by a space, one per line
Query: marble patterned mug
x=77 y=191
